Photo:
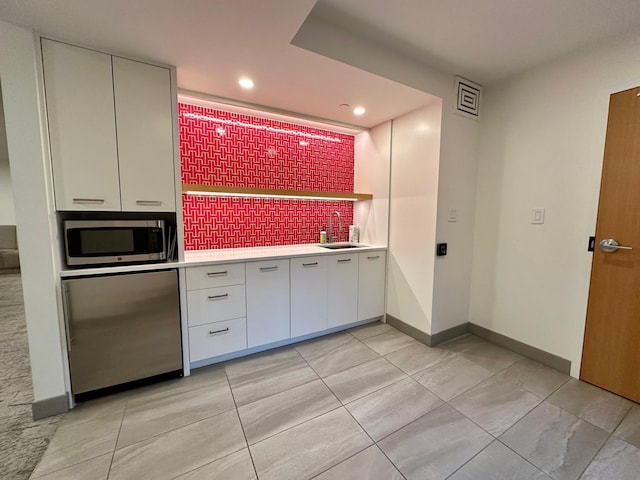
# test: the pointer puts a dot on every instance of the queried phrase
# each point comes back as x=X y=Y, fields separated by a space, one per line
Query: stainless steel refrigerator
x=122 y=328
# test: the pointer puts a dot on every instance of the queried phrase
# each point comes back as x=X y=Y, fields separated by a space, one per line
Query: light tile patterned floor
x=370 y=403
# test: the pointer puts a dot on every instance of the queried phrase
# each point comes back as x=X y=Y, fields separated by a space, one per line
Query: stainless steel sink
x=340 y=246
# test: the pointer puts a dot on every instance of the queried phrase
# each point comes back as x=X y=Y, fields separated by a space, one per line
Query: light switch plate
x=453 y=215
x=537 y=216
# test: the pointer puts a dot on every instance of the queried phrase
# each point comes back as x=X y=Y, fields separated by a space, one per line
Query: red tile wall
x=269 y=156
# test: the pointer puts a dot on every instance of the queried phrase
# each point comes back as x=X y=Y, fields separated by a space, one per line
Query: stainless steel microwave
x=102 y=242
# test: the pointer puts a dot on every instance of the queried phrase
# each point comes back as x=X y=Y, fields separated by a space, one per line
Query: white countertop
x=224 y=255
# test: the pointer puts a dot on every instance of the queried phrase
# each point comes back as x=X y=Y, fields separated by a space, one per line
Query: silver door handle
x=216 y=332
x=268 y=269
x=373 y=258
x=217 y=297
x=66 y=306
x=344 y=260
x=609 y=245
x=149 y=203
x=215 y=274
x=89 y=201
x=310 y=264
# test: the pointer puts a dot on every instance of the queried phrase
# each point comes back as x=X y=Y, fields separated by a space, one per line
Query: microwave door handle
x=68 y=321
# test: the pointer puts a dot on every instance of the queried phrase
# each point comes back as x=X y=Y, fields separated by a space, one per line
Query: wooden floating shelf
x=216 y=190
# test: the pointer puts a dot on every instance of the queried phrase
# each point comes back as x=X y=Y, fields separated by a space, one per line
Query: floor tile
x=173 y=411
x=309 y=448
x=418 y=357
x=498 y=462
x=370 y=464
x=371 y=330
x=261 y=362
x=483 y=353
x=94 y=409
x=363 y=379
x=199 y=378
x=534 y=377
x=452 y=376
x=629 y=429
x=332 y=354
x=75 y=444
x=236 y=466
x=617 y=460
x=271 y=415
x=557 y=442
x=390 y=342
x=391 y=408
x=94 y=469
x=435 y=445
x=495 y=405
x=265 y=375
x=603 y=409
x=179 y=451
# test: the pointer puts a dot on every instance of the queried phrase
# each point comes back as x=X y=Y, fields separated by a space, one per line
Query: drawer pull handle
x=268 y=269
x=214 y=274
x=217 y=297
x=89 y=201
x=373 y=258
x=149 y=203
x=310 y=264
x=215 y=332
x=344 y=260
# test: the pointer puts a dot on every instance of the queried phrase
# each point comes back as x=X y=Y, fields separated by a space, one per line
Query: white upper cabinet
x=145 y=141
x=111 y=131
x=82 y=127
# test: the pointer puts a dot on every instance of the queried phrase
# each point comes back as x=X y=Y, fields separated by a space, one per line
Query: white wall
x=33 y=209
x=542 y=142
x=415 y=153
x=371 y=175
x=458 y=151
x=7 y=215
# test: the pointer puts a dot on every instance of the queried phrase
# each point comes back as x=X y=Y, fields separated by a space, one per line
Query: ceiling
x=214 y=42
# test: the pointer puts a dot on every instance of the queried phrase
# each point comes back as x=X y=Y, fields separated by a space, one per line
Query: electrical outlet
x=537 y=216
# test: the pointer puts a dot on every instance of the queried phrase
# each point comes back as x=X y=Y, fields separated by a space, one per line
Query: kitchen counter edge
x=227 y=255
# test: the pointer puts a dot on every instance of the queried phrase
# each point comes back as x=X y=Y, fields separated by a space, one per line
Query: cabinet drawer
x=215 y=304
x=213 y=339
x=209 y=276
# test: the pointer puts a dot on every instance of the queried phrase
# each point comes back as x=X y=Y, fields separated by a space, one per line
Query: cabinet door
x=79 y=97
x=343 y=289
x=372 y=266
x=308 y=295
x=145 y=136
x=267 y=302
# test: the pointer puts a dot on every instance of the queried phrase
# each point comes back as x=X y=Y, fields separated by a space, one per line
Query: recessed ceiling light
x=359 y=110
x=246 y=83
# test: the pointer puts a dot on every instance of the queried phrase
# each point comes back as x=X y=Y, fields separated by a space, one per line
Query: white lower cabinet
x=267 y=302
x=308 y=295
x=219 y=338
x=342 y=289
x=237 y=306
x=372 y=267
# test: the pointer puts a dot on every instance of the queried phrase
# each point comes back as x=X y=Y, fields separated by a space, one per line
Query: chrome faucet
x=330 y=236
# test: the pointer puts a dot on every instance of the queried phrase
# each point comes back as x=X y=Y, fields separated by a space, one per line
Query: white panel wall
x=33 y=209
x=371 y=175
x=458 y=157
x=542 y=142
x=7 y=215
x=415 y=154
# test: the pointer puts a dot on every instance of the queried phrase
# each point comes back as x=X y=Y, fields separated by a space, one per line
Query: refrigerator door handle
x=66 y=302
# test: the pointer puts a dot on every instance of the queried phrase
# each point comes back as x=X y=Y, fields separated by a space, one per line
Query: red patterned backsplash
x=261 y=153
x=232 y=222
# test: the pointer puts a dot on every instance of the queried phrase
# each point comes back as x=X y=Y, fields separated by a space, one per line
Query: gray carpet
x=22 y=441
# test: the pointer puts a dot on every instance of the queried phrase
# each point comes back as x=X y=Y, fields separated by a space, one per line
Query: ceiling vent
x=468 y=95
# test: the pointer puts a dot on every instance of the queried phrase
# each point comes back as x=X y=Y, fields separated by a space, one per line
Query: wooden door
x=611 y=353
